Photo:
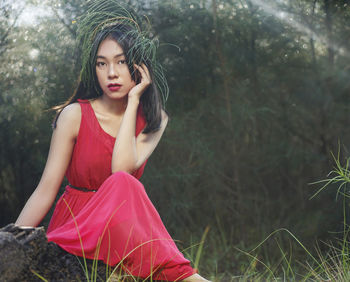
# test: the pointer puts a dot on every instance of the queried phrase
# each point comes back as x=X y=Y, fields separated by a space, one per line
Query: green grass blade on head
x=105 y=16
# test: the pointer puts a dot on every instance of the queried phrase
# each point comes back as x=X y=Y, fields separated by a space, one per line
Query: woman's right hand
x=145 y=81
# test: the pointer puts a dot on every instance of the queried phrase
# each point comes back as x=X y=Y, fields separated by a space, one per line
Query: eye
x=100 y=64
x=121 y=62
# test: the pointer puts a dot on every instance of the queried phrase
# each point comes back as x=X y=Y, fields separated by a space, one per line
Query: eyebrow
x=116 y=56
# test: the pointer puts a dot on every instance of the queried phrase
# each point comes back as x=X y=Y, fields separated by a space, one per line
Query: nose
x=112 y=71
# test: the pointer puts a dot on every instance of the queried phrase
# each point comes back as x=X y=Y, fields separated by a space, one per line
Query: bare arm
x=62 y=143
x=129 y=152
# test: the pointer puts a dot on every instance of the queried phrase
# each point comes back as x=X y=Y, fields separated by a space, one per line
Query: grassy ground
x=326 y=261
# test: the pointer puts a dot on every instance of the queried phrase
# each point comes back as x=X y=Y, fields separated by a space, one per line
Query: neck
x=113 y=106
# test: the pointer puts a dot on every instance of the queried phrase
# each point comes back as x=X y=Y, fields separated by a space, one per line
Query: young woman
x=101 y=141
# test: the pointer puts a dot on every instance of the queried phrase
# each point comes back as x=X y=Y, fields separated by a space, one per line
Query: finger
x=144 y=67
x=143 y=73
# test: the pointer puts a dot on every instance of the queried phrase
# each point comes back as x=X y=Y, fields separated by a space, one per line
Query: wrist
x=133 y=101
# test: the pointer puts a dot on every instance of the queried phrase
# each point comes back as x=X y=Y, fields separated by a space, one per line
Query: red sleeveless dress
x=118 y=223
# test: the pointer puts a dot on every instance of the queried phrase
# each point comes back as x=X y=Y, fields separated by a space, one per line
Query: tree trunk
x=312 y=41
x=329 y=27
x=227 y=100
x=254 y=68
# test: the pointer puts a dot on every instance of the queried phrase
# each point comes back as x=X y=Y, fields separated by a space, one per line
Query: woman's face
x=112 y=70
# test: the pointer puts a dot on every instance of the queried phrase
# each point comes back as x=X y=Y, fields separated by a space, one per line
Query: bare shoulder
x=69 y=119
x=70 y=113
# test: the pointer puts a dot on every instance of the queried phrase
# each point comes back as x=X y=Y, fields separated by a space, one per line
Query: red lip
x=114 y=86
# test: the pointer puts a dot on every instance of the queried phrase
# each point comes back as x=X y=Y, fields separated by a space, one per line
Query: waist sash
x=83 y=189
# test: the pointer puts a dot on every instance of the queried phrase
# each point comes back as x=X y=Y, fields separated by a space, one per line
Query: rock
x=26 y=255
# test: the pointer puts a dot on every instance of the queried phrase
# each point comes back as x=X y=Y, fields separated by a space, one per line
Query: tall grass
x=227 y=260
x=332 y=259
x=335 y=264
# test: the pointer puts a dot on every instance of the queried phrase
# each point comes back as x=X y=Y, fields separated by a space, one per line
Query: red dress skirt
x=116 y=222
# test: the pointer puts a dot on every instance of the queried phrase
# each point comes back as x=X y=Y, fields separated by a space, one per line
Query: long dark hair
x=151 y=100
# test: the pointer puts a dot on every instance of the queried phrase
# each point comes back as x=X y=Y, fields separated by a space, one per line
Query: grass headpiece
x=105 y=17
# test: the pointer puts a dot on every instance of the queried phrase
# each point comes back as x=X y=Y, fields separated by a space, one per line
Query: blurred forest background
x=259 y=98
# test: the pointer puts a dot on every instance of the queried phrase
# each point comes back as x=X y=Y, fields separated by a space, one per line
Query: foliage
x=258 y=99
x=8 y=18
x=33 y=78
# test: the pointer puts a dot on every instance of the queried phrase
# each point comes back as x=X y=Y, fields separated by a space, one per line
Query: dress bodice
x=90 y=164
